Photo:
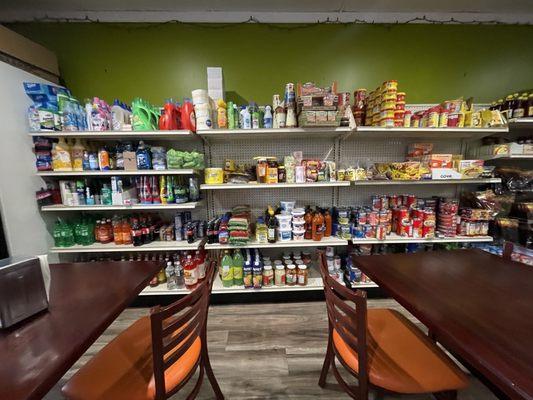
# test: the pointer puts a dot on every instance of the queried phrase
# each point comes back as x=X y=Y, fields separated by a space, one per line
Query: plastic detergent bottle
x=267 y=120
x=226 y=269
x=222 y=118
x=238 y=263
x=119 y=116
x=188 y=118
x=246 y=118
x=168 y=120
x=78 y=151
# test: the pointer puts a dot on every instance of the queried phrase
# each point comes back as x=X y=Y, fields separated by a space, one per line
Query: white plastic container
x=284 y=236
x=298 y=215
x=287 y=206
x=200 y=96
x=284 y=221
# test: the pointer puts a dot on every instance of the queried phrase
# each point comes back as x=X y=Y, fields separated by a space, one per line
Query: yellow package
x=61 y=160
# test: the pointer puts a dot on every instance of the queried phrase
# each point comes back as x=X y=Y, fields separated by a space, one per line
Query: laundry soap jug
x=120 y=116
x=188 y=117
x=169 y=119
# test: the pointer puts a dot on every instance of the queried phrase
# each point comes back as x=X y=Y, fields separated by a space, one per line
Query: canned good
x=386 y=122
x=388 y=104
x=407 y=119
x=362 y=218
x=400 y=105
x=357 y=232
x=398 y=114
x=433 y=119
x=400 y=96
x=387 y=113
x=428 y=231
x=406 y=228
x=390 y=85
x=369 y=231
x=453 y=120
x=383 y=217
x=393 y=201
x=409 y=200
x=372 y=218
x=417 y=227
x=398 y=123
x=381 y=231
x=376 y=202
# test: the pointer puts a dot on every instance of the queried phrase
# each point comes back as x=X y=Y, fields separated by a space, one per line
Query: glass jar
x=306 y=257
x=303 y=275
x=268 y=275
x=279 y=277
x=291 y=276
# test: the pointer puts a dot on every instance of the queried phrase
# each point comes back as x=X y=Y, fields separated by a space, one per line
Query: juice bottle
x=226 y=269
x=238 y=263
x=308 y=218
x=328 y=222
x=125 y=229
x=199 y=259
x=117 y=232
x=104 y=234
x=318 y=226
x=190 y=271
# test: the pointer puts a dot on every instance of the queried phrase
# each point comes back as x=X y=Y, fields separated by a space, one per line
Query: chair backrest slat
x=176 y=327
x=347 y=316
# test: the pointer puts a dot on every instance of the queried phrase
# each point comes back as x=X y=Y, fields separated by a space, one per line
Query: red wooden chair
x=382 y=349
x=155 y=357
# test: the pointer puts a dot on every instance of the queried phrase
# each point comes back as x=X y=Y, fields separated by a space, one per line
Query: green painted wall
x=431 y=62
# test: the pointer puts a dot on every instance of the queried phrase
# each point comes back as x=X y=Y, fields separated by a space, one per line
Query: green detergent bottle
x=144 y=117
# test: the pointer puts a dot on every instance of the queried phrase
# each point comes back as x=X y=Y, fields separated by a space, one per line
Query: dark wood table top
x=479 y=305
x=85 y=298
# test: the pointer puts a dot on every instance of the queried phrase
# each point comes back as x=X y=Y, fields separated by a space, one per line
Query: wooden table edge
x=499 y=381
x=41 y=390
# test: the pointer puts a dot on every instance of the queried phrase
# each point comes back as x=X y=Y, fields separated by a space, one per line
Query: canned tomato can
x=417 y=227
x=428 y=231
x=410 y=201
x=369 y=231
x=417 y=213
x=381 y=231
x=393 y=201
x=406 y=228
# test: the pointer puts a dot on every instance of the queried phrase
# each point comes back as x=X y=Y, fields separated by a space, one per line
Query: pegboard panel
x=259 y=199
x=368 y=149
x=244 y=150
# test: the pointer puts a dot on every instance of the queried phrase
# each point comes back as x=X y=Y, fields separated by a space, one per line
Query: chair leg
x=327 y=363
x=211 y=377
x=448 y=395
x=198 y=385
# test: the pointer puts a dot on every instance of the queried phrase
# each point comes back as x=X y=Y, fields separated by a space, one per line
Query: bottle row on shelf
x=121 y=191
x=76 y=155
x=134 y=230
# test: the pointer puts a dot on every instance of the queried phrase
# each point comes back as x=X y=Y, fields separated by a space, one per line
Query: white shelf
x=395 y=239
x=330 y=241
x=363 y=285
x=225 y=186
x=144 y=207
x=120 y=135
x=507 y=156
x=428 y=182
x=280 y=133
x=112 y=247
x=521 y=123
x=455 y=133
x=119 y=172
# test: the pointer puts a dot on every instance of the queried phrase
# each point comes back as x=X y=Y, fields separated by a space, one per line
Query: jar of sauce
x=268 y=275
x=272 y=171
x=261 y=169
x=303 y=275
x=279 y=275
x=291 y=276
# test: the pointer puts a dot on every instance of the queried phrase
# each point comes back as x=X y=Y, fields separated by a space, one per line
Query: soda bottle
x=145 y=231
x=199 y=259
x=190 y=271
x=226 y=269
x=238 y=263
x=136 y=232
x=57 y=234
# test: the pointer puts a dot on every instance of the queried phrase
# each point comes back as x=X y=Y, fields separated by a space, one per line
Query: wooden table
x=478 y=305
x=84 y=299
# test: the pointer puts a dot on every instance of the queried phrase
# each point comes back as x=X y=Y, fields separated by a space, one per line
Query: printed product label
x=190 y=276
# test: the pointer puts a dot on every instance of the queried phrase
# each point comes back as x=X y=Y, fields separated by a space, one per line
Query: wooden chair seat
x=401 y=358
x=123 y=369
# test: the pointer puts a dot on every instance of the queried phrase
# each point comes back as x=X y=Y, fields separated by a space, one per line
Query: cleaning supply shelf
x=119 y=172
x=119 y=135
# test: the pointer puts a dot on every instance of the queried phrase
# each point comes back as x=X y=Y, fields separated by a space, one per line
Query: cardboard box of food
x=130 y=160
x=444 y=173
x=470 y=169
